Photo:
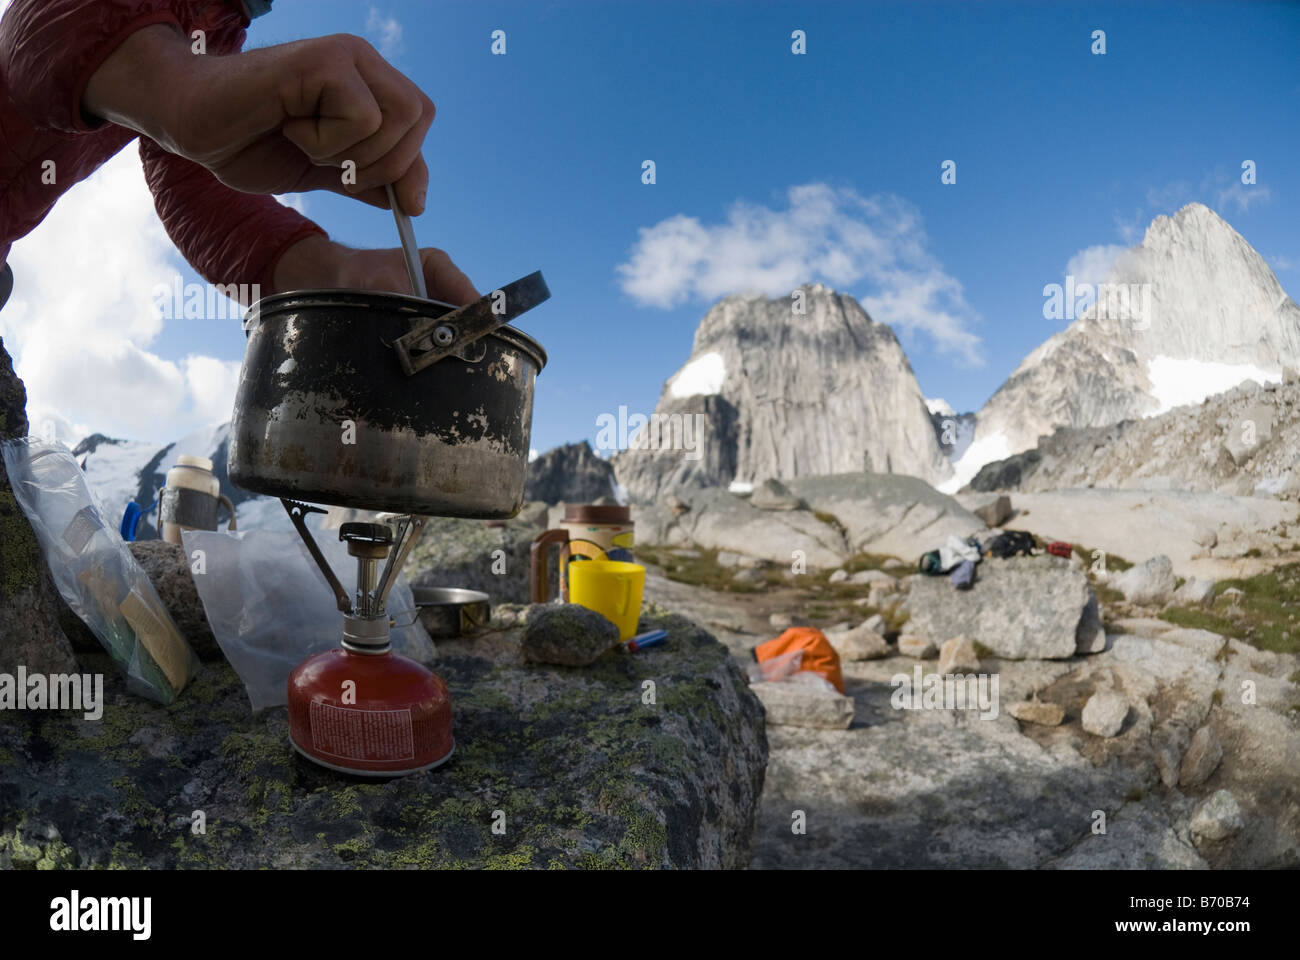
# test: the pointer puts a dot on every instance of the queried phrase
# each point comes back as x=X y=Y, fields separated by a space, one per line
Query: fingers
x=411 y=187
x=445 y=280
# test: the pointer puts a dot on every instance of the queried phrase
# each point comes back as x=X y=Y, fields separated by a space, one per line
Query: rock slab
x=588 y=774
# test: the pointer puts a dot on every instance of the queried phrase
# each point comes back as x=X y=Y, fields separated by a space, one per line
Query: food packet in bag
x=94 y=570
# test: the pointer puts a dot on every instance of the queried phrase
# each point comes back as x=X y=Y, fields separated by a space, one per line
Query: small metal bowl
x=448 y=612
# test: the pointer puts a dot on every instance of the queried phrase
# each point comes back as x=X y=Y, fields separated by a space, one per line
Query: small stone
x=839 y=576
x=1201 y=759
x=916 y=646
x=1150 y=582
x=860 y=643
x=566 y=634
x=957 y=655
x=1104 y=713
x=728 y=558
x=996 y=512
x=874 y=577
x=1036 y=711
x=1194 y=592
x=784 y=621
x=749 y=575
x=1217 y=818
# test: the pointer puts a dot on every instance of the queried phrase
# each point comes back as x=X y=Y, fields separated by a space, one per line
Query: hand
x=282 y=119
x=317 y=263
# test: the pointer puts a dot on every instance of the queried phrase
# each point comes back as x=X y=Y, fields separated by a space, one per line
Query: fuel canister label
x=355 y=734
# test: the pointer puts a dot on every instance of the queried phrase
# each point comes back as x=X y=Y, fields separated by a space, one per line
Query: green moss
x=1217 y=698
x=981 y=651
x=1262 y=616
x=6 y=758
x=19 y=551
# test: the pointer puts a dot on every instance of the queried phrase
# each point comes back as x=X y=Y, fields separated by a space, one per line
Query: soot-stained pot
x=329 y=411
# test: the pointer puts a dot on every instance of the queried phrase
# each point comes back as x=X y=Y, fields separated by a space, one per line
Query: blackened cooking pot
x=387 y=402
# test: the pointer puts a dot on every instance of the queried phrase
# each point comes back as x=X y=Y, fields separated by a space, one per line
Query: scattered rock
x=839 y=576
x=1150 y=582
x=875 y=622
x=1217 y=818
x=784 y=621
x=1201 y=759
x=1194 y=592
x=1037 y=711
x=566 y=634
x=728 y=558
x=957 y=655
x=1021 y=608
x=749 y=575
x=876 y=578
x=1104 y=713
x=773 y=495
x=916 y=646
x=1142 y=626
x=804 y=705
x=861 y=643
x=996 y=512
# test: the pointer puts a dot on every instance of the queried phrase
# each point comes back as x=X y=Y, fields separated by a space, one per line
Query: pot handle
x=539 y=587
x=430 y=339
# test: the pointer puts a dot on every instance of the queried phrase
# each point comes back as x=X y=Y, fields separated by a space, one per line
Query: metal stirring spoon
x=410 y=249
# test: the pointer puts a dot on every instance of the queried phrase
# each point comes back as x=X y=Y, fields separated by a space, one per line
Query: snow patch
x=985 y=450
x=740 y=488
x=940 y=406
x=701 y=376
x=1175 y=383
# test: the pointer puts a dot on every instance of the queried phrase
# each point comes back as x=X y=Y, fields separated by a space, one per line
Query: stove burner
x=363 y=709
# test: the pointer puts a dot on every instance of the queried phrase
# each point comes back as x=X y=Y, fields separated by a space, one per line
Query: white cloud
x=212 y=384
x=385 y=31
x=81 y=320
x=1283 y=262
x=1092 y=264
x=1241 y=196
x=834 y=236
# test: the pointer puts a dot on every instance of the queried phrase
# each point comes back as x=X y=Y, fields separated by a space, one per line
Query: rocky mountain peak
x=786 y=387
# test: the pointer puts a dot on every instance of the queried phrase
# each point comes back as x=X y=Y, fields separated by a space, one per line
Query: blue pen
x=646 y=640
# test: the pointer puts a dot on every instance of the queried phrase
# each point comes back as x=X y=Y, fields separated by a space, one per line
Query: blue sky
x=536 y=162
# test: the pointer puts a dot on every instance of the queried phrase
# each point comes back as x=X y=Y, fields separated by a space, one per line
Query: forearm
x=138 y=84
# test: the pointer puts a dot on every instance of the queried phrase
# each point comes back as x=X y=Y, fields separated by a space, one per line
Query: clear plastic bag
x=94 y=570
x=270 y=607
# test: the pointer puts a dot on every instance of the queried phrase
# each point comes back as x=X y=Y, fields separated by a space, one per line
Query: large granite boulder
x=29 y=602
x=648 y=760
x=491 y=556
x=1019 y=608
x=842 y=515
x=169 y=572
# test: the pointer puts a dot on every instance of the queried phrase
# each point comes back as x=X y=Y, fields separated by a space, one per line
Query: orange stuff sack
x=818 y=654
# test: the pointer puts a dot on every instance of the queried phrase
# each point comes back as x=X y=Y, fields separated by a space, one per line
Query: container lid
x=189 y=460
x=591 y=513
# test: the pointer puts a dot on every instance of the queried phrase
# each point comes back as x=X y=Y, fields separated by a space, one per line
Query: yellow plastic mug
x=610 y=587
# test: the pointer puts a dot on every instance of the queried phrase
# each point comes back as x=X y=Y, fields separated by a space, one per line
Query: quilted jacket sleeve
x=228 y=236
x=50 y=49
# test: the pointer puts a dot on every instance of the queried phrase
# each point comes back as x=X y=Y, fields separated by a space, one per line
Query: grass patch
x=704 y=570
x=1263 y=616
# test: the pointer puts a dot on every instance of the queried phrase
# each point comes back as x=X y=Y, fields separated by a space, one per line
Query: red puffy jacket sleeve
x=51 y=48
x=227 y=236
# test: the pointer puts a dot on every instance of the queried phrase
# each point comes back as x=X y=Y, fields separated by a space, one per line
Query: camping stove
x=362 y=709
